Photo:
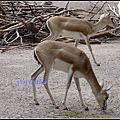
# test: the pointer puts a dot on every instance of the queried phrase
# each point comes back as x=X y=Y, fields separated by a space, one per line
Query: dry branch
x=107 y=34
x=29 y=20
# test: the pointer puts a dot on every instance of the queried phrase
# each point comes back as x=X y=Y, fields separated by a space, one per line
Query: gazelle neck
x=99 y=26
x=95 y=86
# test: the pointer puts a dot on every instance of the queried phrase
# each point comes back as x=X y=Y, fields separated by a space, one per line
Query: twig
x=66 y=8
x=93 y=8
x=99 y=10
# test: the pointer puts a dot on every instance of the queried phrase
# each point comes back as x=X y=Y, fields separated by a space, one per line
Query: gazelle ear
x=109 y=88
x=109 y=13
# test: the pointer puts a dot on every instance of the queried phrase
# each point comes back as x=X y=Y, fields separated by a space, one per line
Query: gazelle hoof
x=37 y=103
x=65 y=108
x=86 y=108
x=57 y=107
x=98 y=64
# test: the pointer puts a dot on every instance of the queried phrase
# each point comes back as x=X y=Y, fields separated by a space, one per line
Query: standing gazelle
x=73 y=61
x=76 y=28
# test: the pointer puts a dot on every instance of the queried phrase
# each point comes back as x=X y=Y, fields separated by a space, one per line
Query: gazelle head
x=108 y=20
x=102 y=98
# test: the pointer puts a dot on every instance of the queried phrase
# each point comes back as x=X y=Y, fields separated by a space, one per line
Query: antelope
x=76 y=28
x=71 y=60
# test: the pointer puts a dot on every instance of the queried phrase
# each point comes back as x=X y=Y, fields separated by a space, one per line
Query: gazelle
x=77 y=28
x=73 y=61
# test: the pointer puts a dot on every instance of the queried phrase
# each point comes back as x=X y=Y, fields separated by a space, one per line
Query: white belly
x=64 y=66
x=75 y=35
x=61 y=65
x=78 y=74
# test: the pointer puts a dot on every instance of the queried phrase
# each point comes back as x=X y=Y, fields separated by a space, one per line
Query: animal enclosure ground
x=16 y=95
x=17 y=99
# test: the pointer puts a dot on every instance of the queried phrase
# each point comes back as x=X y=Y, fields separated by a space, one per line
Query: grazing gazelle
x=65 y=57
x=76 y=28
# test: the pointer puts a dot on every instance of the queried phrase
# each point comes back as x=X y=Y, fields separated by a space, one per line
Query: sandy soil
x=17 y=99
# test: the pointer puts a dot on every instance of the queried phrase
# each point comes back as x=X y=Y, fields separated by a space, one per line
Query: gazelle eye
x=112 y=19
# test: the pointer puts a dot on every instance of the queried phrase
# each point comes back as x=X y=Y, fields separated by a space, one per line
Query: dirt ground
x=16 y=100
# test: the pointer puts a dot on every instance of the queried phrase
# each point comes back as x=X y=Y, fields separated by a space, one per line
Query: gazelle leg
x=79 y=91
x=76 y=42
x=33 y=78
x=47 y=38
x=89 y=46
x=55 y=36
x=46 y=75
x=70 y=74
x=51 y=36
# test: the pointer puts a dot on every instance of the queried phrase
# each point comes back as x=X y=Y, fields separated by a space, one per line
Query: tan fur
x=73 y=61
x=77 y=25
x=76 y=28
x=70 y=24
